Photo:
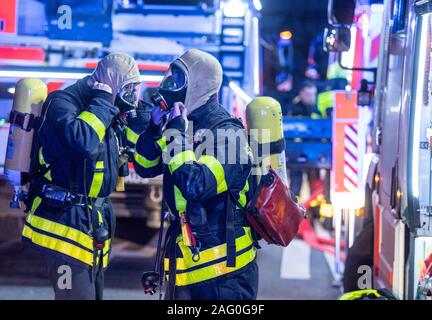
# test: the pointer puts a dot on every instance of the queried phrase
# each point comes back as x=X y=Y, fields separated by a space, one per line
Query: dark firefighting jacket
x=79 y=144
x=193 y=178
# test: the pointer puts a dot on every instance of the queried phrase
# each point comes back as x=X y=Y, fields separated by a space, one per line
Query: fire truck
x=395 y=236
x=61 y=41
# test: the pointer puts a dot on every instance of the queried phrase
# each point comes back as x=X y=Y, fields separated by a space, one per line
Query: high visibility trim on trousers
x=60 y=230
x=131 y=135
x=145 y=163
x=214 y=270
x=179 y=159
x=212 y=262
x=63 y=247
x=84 y=243
x=97 y=181
x=218 y=171
x=161 y=142
x=63 y=231
x=94 y=122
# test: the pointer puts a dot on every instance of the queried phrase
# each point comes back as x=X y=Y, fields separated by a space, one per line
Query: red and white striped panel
x=351 y=156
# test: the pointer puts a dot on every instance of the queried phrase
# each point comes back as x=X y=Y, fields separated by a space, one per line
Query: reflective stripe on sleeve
x=131 y=135
x=144 y=162
x=179 y=159
x=94 y=123
x=218 y=171
x=161 y=142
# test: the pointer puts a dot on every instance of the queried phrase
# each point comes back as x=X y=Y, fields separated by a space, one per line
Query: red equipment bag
x=272 y=212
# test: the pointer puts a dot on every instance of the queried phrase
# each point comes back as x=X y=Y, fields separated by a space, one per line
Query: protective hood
x=204 y=76
x=116 y=70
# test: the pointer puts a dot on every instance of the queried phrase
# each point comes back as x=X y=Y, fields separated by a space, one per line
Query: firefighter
x=209 y=249
x=79 y=152
x=303 y=106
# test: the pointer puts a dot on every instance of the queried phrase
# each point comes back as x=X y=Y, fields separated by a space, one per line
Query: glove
x=157 y=114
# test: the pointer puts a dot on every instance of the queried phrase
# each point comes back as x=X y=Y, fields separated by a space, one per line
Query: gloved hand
x=157 y=114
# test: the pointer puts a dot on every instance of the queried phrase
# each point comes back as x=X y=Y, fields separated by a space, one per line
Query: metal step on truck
x=37 y=40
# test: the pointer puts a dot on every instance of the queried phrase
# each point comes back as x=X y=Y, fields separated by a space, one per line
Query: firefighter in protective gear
x=210 y=251
x=78 y=154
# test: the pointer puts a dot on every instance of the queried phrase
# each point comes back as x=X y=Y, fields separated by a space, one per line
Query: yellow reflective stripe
x=325 y=101
x=41 y=158
x=97 y=181
x=179 y=159
x=211 y=254
x=43 y=163
x=161 y=142
x=104 y=261
x=107 y=246
x=145 y=163
x=58 y=245
x=215 y=270
x=48 y=175
x=242 y=195
x=36 y=202
x=61 y=230
x=218 y=171
x=180 y=201
x=131 y=135
x=94 y=123
x=354 y=295
x=64 y=247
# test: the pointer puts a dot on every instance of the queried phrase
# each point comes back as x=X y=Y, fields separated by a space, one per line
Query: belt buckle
x=78 y=199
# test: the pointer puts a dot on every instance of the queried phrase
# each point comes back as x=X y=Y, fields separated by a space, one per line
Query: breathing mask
x=127 y=100
x=172 y=88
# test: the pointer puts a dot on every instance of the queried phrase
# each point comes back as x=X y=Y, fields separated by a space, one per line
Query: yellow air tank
x=264 y=122
x=29 y=96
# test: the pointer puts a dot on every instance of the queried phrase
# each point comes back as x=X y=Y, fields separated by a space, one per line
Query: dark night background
x=305 y=19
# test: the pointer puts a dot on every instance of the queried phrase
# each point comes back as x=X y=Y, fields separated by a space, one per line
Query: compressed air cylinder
x=264 y=122
x=29 y=96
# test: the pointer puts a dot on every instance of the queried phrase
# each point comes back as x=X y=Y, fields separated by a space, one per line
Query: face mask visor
x=129 y=94
x=174 y=79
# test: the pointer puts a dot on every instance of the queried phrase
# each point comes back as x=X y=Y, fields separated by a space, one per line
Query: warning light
x=286 y=35
x=377 y=178
x=399 y=193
